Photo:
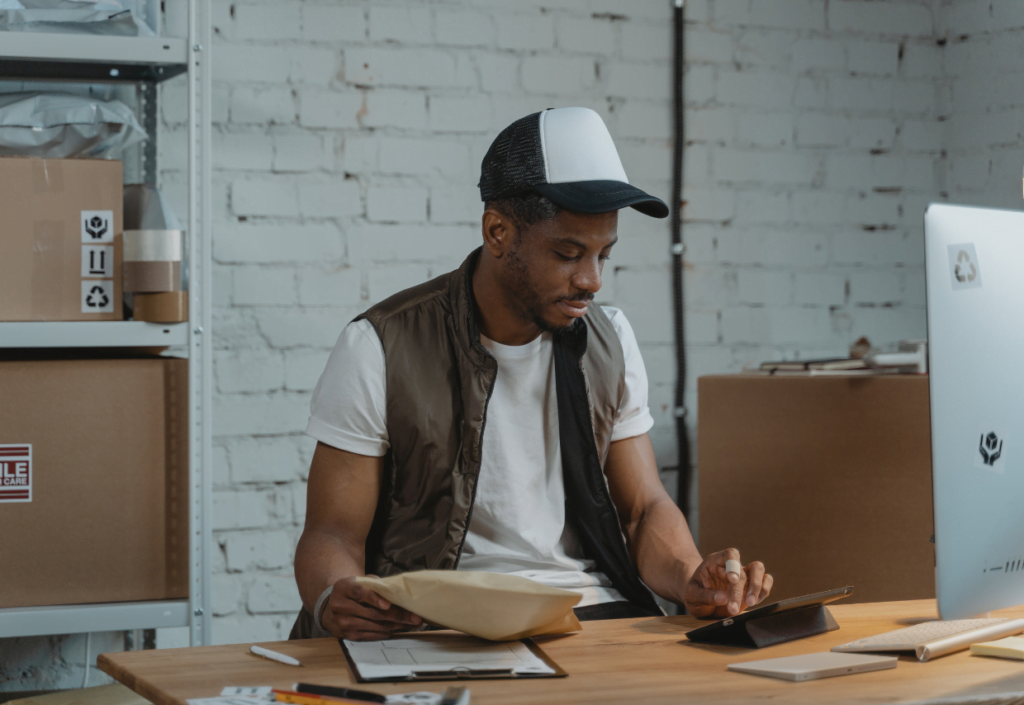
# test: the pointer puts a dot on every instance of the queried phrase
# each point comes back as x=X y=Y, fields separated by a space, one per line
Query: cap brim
x=602 y=197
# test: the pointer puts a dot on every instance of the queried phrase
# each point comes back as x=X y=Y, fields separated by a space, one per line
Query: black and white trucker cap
x=567 y=155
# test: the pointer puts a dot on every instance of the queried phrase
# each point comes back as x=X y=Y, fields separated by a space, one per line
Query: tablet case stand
x=774 y=629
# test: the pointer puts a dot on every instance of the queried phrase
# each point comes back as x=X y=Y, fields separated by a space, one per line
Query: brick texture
x=347 y=144
x=349 y=151
x=825 y=128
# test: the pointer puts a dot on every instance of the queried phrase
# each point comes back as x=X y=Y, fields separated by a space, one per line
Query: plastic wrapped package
x=145 y=208
x=108 y=17
x=62 y=126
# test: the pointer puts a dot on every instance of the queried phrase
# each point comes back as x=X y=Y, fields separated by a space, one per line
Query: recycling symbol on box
x=97 y=298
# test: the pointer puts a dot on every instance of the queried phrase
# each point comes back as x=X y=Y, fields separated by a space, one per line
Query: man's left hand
x=712 y=592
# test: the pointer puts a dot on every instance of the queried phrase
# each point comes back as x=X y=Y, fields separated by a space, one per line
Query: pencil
x=287 y=696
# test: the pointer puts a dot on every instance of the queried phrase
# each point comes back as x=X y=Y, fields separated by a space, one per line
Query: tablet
x=803 y=610
x=809 y=667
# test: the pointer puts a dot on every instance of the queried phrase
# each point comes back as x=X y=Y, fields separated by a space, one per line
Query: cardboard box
x=826 y=480
x=60 y=239
x=93 y=481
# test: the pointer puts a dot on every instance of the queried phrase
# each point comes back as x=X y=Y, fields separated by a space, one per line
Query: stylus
x=273 y=655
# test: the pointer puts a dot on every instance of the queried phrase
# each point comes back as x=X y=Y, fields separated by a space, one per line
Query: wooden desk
x=616 y=661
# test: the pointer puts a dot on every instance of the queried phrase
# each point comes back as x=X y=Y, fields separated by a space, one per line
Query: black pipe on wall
x=683 y=498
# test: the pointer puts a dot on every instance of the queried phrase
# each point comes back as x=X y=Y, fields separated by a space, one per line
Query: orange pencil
x=288 y=696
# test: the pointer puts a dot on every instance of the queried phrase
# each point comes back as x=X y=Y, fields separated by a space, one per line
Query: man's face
x=553 y=269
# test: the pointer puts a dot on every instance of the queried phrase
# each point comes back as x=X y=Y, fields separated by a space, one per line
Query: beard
x=546 y=327
x=527 y=300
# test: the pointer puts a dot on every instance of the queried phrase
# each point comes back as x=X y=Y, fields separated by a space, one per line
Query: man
x=495 y=419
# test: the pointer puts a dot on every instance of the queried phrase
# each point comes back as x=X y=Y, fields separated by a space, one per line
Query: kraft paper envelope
x=488 y=605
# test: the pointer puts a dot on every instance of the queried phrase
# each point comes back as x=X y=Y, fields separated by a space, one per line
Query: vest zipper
x=480 y=445
x=604 y=476
x=604 y=485
x=590 y=402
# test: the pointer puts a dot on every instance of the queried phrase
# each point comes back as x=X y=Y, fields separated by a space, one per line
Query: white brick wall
x=54 y=663
x=822 y=124
x=984 y=97
x=348 y=138
x=348 y=155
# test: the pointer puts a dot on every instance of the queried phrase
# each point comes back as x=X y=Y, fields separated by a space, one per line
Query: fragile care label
x=16 y=473
x=990 y=454
x=97 y=226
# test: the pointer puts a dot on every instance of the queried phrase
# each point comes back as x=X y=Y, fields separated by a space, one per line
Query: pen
x=273 y=655
x=329 y=691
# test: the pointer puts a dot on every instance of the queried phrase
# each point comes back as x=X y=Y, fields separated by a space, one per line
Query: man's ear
x=499 y=233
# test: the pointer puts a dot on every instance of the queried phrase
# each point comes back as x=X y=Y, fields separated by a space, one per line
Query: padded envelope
x=488 y=605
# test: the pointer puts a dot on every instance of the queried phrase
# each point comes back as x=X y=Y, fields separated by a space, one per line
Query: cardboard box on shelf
x=93 y=480
x=826 y=480
x=60 y=253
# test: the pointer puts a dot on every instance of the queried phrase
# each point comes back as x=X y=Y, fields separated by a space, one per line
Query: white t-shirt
x=518 y=523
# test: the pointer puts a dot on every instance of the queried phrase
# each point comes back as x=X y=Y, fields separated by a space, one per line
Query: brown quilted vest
x=438 y=384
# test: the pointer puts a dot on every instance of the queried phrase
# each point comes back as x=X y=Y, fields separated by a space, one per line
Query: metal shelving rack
x=142 y=63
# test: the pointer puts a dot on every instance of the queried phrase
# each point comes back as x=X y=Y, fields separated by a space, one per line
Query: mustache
x=584 y=296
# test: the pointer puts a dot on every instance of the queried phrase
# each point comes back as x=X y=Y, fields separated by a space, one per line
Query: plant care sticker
x=98 y=261
x=991 y=451
x=963 y=266
x=16 y=473
x=97 y=226
x=97 y=296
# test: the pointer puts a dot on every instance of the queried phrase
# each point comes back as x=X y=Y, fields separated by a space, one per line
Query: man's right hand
x=357 y=613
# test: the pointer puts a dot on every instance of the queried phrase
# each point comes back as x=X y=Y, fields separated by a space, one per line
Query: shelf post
x=200 y=313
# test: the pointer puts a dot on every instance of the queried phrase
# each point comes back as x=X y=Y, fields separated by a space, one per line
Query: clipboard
x=424 y=672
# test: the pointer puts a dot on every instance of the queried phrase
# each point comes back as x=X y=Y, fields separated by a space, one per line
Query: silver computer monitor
x=974 y=273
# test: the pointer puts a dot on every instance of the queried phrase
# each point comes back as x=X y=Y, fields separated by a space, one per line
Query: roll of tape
x=148 y=277
x=166 y=307
x=152 y=245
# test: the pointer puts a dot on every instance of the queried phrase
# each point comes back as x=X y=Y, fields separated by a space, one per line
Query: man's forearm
x=663 y=549
x=321 y=560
